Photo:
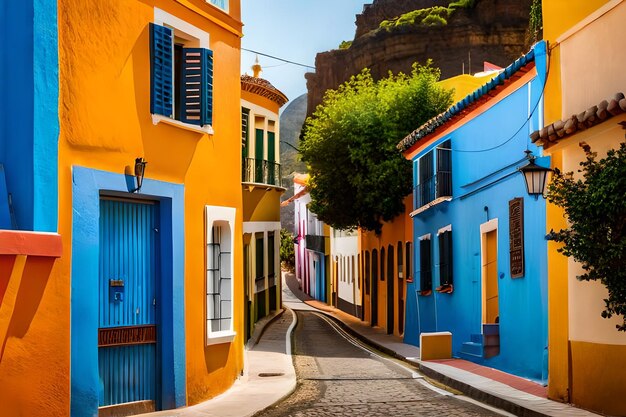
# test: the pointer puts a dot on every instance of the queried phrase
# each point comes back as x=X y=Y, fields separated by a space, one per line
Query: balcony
x=315 y=243
x=433 y=190
x=261 y=171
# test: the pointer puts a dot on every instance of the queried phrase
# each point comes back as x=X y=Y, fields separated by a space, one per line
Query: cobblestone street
x=337 y=378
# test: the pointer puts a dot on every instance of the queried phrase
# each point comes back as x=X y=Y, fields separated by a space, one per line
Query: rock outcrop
x=494 y=31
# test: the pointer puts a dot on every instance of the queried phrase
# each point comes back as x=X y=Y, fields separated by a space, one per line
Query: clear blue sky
x=294 y=30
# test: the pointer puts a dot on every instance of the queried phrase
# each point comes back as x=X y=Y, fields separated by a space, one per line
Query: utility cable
x=530 y=116
x=277 y=58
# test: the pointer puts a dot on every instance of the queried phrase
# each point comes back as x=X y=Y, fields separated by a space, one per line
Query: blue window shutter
x=196 y=104
x=161 y=74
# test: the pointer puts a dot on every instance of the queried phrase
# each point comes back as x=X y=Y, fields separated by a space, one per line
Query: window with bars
x=219 y=273
x=434 y=175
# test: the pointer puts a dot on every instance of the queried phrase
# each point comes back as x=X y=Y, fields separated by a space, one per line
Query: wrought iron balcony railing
x=261 y=171
x=437 y=186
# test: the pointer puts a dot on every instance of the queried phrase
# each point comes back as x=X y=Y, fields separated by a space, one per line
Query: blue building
x=480 y=251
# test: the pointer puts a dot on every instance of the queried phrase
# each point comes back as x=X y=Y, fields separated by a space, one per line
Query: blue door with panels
x=128 y=325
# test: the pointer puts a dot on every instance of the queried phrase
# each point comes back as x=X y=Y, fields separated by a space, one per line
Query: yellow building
x=261 y=182
x=587 y=354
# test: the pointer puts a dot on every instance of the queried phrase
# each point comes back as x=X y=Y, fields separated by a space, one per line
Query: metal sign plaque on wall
x=516 y=237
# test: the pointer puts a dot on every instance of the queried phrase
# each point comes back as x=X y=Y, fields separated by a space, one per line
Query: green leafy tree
x=357 y=176
x=595 y=207
x=287 y=254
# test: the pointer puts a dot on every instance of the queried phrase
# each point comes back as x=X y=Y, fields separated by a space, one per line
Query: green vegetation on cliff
x=431 y=16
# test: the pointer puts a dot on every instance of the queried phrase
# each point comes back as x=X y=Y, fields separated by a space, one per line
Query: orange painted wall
x=106 y=123
x=34 y=336
x=398 y=230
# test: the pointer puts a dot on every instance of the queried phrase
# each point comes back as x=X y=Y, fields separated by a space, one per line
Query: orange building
x=143 y=310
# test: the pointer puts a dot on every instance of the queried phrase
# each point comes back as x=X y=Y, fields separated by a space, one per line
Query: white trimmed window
x=221 y=4
x=220 y=223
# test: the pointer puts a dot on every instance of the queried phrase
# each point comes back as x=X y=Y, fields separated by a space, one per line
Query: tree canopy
x=595 y=207
x=358 y=178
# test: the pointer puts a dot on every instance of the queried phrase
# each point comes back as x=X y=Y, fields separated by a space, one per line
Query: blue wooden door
x=127 y=334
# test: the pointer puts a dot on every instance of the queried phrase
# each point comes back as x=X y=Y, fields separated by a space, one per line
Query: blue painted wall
x=87 y=184
x=489 y=178
x=29 y=122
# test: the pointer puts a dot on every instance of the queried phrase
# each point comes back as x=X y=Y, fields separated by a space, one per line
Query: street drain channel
x=270 y=374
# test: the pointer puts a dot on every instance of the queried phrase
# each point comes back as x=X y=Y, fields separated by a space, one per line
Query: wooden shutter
x=426 y=277
x=161 y=70
x=196 y=89
x=445 y=258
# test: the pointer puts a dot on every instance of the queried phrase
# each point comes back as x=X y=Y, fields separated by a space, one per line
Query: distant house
x=344 y=275
x=261 y=188
x=584 y=103
x=480 y=254
x=312 y=245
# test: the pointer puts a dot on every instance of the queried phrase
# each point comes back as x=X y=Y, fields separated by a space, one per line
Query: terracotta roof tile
x=473 y=100
x=594 y=115
x=263 y=88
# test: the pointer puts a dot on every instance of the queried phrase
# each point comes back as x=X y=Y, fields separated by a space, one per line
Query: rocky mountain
x=291 y=121
x=489 y=30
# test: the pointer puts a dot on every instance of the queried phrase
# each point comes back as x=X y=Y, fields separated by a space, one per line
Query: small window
x=426 y=277
x=445 y=261
x=222 y=4
x=219 y=258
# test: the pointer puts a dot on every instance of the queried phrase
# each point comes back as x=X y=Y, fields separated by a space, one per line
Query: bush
x=287 y=250
x=345 y=44
x=595 y=207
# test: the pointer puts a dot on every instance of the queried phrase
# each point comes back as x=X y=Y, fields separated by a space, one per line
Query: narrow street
x=337 y=377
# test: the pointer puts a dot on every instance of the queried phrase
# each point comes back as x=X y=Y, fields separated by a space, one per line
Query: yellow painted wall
x=106 y=123
x=598 y=377
x=464 y=84
x=558 y=17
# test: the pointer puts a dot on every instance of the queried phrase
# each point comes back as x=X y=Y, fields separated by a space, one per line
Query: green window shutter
x=161 y=70
x=258 y=156
x=272 y=168
x=196 y=89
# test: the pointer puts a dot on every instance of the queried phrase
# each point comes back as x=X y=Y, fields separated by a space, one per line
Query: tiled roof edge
x=441 y=119
x=263 y=88
x=594 y=115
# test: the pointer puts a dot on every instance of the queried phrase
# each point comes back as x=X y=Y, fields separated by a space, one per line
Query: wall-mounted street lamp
x=535 y=176
x=140 y=170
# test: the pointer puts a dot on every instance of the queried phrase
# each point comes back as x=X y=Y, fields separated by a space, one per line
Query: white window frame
x=213 y=3
x=219 y=216
x=189 y=32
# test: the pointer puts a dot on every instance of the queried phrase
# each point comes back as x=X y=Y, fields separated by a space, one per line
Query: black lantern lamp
x=535 y=176
x=140 y=170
